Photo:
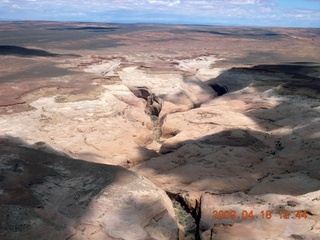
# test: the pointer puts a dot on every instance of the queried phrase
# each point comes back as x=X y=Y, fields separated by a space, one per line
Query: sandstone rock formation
x=253 y=151
x=153 y=103
x=48 y=196
x=250 y=147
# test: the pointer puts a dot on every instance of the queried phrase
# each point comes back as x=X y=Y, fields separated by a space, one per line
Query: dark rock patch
x=154 y=103
x=11 y=50
x=25 y=52
x=141 y=92
x=219 y=89
x=87 y=28
x=50 y=196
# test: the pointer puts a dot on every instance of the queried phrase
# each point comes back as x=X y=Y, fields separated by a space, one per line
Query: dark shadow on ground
x=244 y=33
x=64 y=36
x=91 y=29
x=296 y=78
x=248 y=158
x=224 y=157
x=290 y=68
x=7 y=50
x=23 y=168
x=294 y=75
x=45 y=194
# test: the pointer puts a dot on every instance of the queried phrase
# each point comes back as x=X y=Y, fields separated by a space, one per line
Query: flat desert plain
x=141 y=131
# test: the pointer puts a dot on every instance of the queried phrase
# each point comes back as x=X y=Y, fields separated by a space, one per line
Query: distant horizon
x=154 y=23
x=245 y=13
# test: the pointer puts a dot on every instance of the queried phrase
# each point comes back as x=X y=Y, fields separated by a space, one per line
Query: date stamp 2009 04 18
x=265 y=214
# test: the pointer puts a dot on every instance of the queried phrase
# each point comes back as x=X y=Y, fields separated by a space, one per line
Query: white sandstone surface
x=251 y=149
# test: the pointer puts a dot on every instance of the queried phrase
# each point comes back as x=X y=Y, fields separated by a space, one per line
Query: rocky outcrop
x=249 y=150
x=251 y=155
x=153 y=103
x=49 y=196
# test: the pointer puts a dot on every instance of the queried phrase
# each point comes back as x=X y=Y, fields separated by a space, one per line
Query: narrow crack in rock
x=152 y=108
x=186 y=216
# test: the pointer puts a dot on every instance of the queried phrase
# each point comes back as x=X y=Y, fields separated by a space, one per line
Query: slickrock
x=48 y=196
x=248 y=144
x=250 y=154
x=271 y=216
x=90 y=126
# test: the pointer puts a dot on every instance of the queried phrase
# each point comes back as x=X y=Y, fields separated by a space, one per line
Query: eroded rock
x=48 y=196
x=250 y=149
x=219 y=89
x=154 y=105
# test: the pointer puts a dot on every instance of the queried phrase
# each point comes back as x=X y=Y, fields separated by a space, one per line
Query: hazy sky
x=293 y=13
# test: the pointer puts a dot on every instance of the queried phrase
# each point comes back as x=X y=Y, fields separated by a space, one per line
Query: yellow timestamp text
x=265 y=214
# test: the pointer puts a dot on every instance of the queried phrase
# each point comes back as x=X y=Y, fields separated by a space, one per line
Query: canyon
x=114 y=131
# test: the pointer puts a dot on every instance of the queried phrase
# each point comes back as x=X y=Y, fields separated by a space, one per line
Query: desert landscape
x=145 y=131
